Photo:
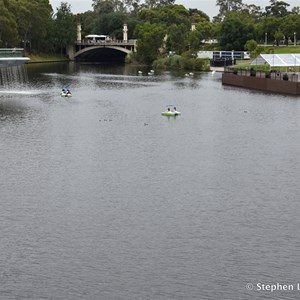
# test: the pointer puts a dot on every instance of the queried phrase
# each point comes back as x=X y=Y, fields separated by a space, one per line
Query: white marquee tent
x=278 y=60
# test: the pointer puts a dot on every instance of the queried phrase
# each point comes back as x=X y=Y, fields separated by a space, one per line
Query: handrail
x=107 y=42
x=11 y=52
x=273 y=75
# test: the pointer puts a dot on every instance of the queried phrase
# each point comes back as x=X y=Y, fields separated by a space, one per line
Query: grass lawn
x=282 y=50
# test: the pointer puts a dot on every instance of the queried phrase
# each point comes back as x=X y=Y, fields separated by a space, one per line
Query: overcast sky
x=207 y=6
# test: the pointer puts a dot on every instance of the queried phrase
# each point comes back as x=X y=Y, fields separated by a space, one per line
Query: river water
x=104 y=198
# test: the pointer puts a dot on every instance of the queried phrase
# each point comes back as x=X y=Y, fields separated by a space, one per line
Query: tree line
x=161 y=26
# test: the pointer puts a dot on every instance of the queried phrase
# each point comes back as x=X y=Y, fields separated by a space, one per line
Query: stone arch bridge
x=108 y=51
x=101 y=47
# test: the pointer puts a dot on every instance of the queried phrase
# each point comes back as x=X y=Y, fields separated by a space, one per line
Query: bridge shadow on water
x=102 y=55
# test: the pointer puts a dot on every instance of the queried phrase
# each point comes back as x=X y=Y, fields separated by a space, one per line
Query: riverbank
x=42 y=58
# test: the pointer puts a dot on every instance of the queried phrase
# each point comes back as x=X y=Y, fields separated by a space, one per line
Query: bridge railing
x=106 y=42
x=273 y=74
x=11 y=52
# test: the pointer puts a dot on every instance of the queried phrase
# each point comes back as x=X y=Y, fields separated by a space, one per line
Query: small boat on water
x=63 y=94
x=66 y=92
x=171 y=112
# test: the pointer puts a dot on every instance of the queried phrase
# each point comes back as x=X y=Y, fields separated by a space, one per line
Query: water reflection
x=100 y=194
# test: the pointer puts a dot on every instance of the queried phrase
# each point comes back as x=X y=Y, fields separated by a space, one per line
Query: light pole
x=295 y=41
x=266 y=38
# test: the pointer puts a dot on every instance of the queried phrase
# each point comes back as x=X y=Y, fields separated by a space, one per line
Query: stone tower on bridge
x=125 y=35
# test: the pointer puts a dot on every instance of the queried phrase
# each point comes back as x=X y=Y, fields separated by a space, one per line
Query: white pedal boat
x=171 y=113
x=65 y=94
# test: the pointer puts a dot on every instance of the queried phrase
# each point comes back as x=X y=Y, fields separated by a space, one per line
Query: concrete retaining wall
x=262 y=84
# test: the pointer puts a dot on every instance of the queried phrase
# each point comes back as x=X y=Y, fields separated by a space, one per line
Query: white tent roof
x=278 y=60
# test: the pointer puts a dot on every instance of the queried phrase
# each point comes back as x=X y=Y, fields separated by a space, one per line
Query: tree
x=32 y=18
x=251 y=47
x=289 y=25
x=171 y=14
x=64 y=26
x=105 y=6
x=278 y=36
x=87 y=21
x=157 y=3
x=193 y=40
x=110 y=24
x=8 y=27
x=124 y=6
x=226 y=6
x=197 y=15
x=132 y=6
x=253 y=11
x=295 y=10
x=268 y=25
x=206 y=29
x=277 y=8
x=150 y=41
x=176 y=38
x=234 y=33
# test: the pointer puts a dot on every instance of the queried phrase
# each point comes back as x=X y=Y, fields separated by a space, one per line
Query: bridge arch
x=102 y=53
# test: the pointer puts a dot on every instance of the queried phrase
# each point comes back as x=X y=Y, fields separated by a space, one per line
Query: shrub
x=177 y=62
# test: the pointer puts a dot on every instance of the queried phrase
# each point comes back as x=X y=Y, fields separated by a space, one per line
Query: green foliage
x=32 y=18
x=234 y=33
x=250 y=45
x=107 y=6
x=32 y=24
x=150 y=41
x=197 y=16
x=258 y=50
x=267 y=25
x=253 y=11
x=290 y=24
x=169 y=15
x=174 y=14
x=226 y=6
x=110 y=24
x=65 y=25
x=193 y=40
x=207 y=30
x=196 y=64
x=87 y=20
x=175 y=39
x=277 y=8
x=8 y=27
x=177 y=62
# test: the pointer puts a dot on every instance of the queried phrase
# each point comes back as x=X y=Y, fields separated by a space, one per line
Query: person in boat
x=175 y=108
x=169 y=109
